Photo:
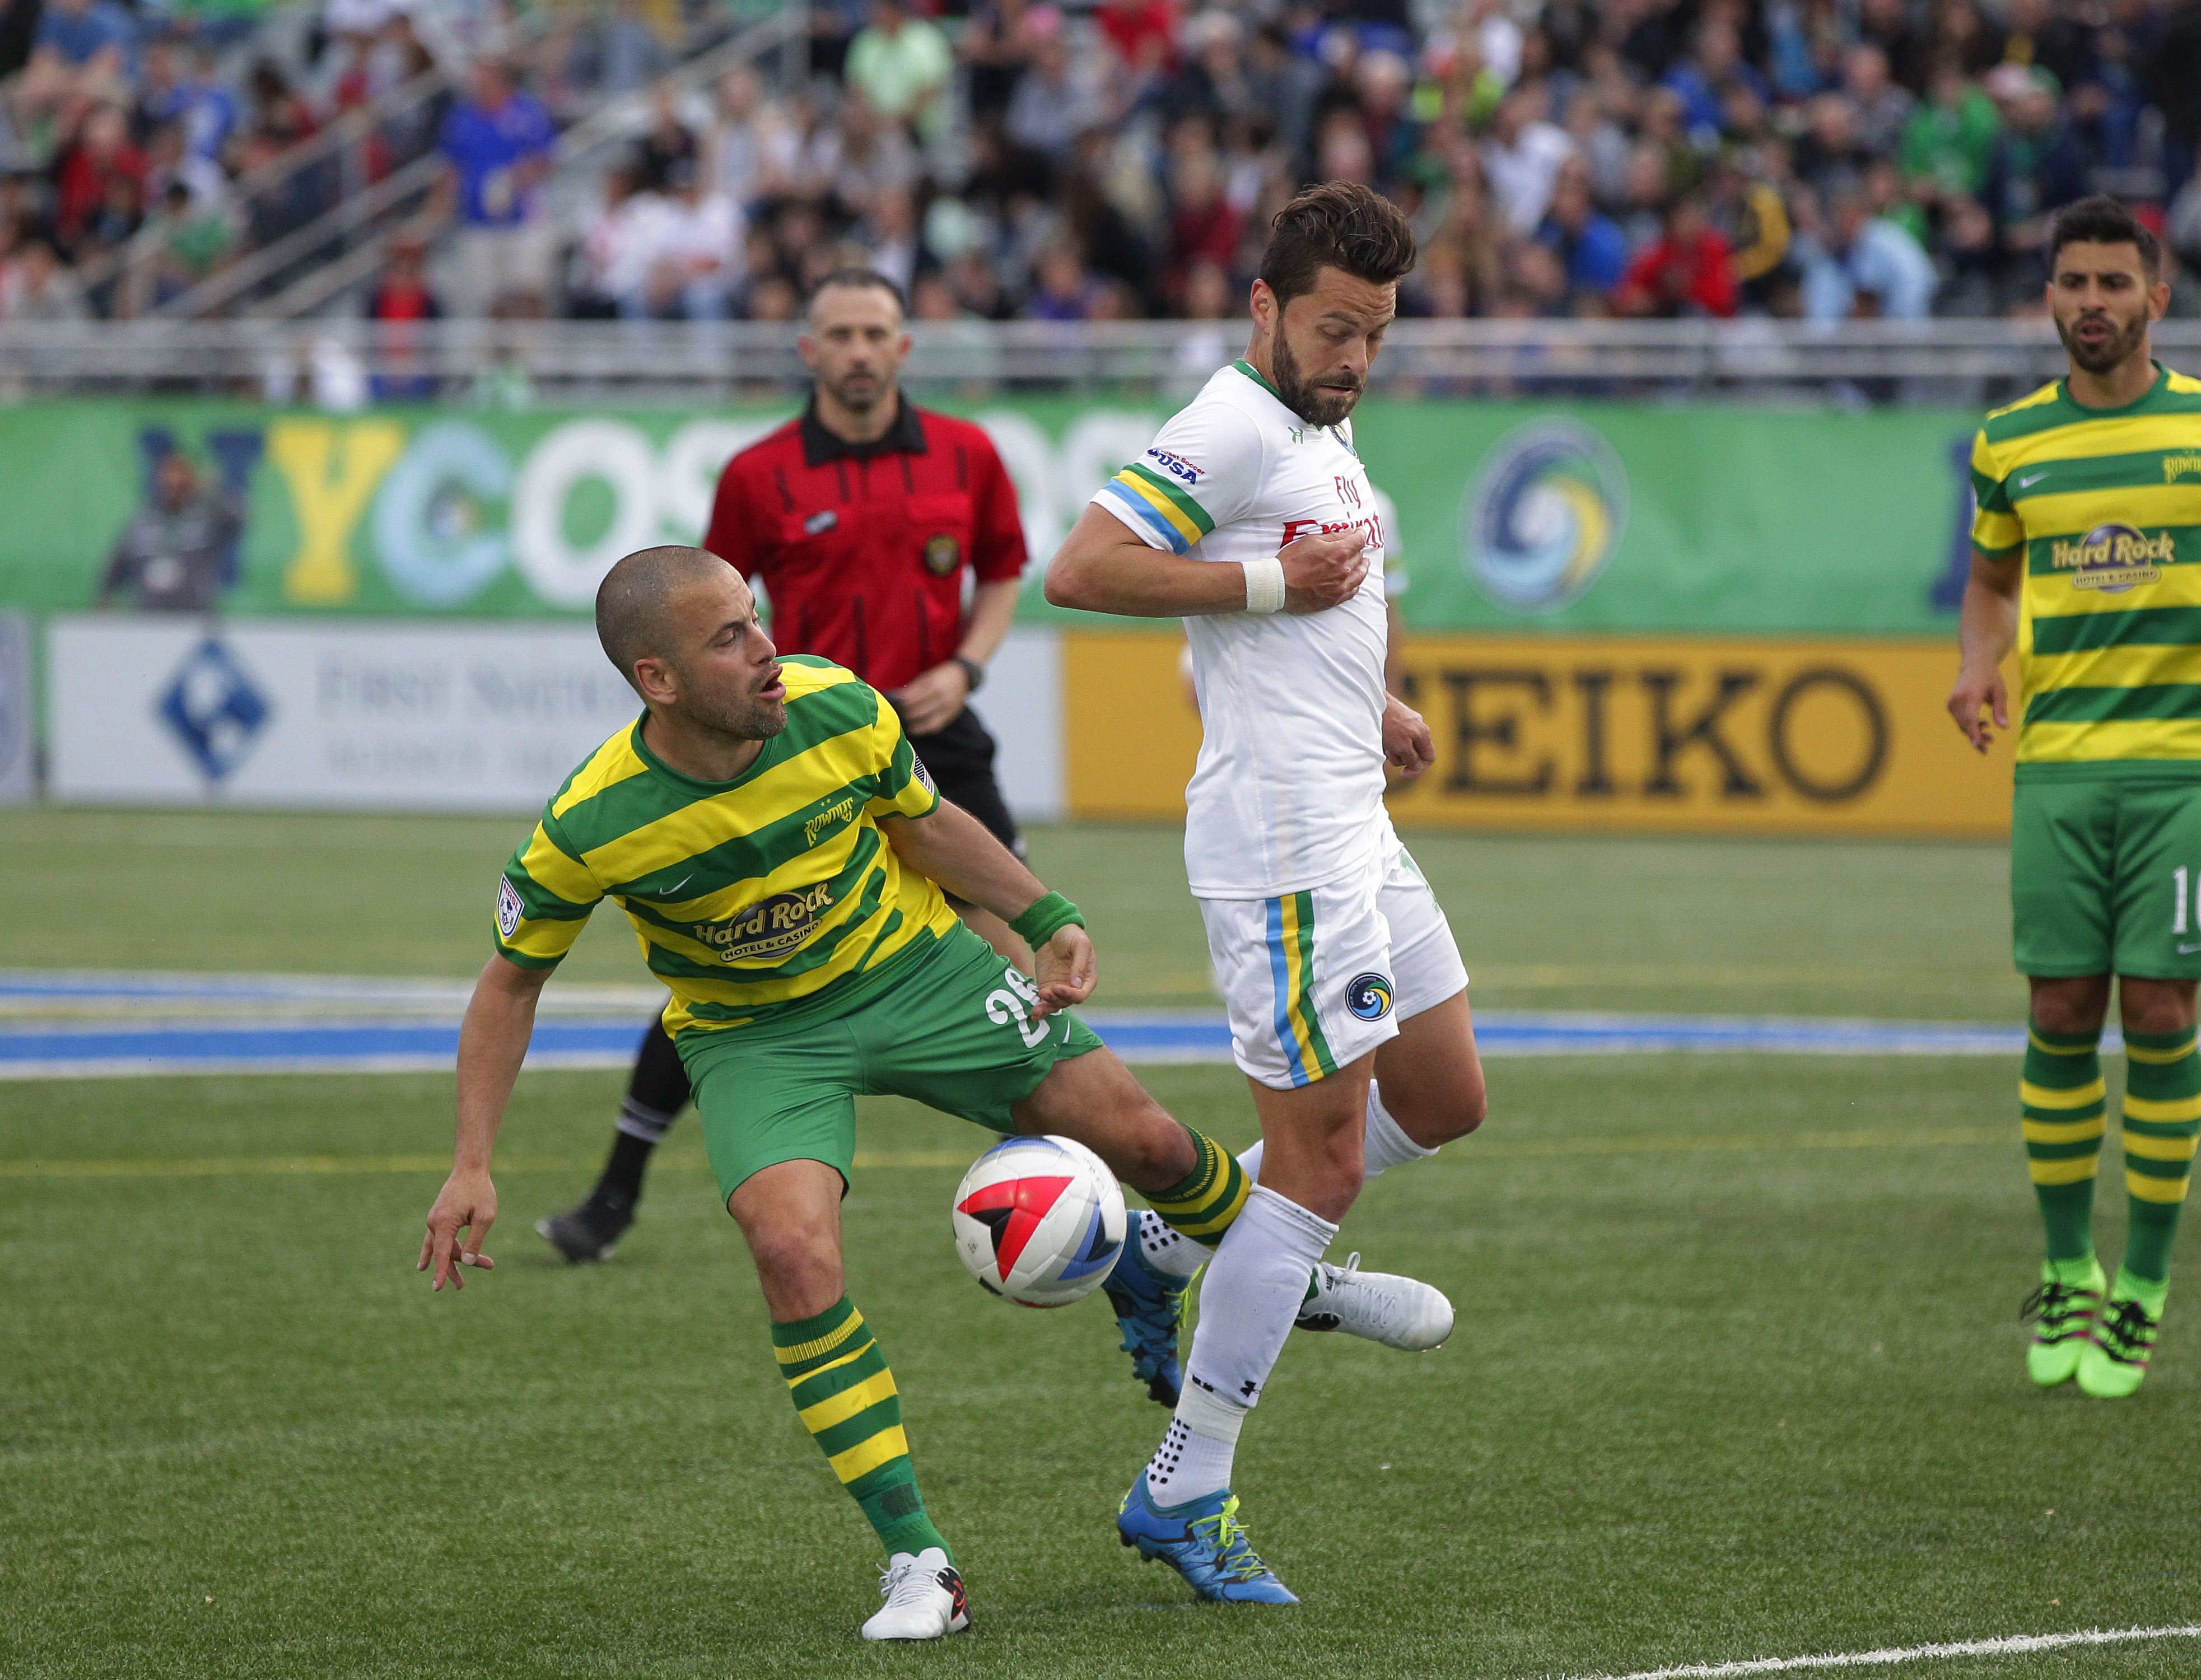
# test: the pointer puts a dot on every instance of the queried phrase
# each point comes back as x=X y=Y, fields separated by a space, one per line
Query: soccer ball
x=1039 y=1220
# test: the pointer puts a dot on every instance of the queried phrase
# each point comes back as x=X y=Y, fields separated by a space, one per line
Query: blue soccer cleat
x=1200 y=1539
x=1149 y=1306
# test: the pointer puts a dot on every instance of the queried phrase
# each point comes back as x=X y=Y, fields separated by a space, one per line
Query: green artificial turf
x=1885 y=929
x=1737 y=1374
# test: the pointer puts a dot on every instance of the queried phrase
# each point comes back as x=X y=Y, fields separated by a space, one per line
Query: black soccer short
x=961 y=759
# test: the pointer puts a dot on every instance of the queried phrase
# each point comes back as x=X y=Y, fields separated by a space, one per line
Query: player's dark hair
x=2103 y=220
x=1340 y=224
x=632 y=600
x=854 y=276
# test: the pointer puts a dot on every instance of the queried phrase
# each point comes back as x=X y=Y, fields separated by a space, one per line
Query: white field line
x=2014 y=1645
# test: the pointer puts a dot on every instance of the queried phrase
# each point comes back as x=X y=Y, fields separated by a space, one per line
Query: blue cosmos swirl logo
x=1369 y=996
x=1543 y=516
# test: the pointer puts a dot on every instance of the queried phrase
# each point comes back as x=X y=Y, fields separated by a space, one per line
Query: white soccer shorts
x=1315 y=980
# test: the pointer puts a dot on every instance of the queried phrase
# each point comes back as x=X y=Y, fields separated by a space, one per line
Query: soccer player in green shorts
x=781 y=854
x=2087 y=557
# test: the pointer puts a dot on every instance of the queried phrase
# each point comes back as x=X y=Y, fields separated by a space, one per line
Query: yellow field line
x=1465 y=1154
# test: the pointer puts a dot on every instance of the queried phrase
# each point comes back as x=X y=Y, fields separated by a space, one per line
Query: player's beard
x=746 y=716
x=2112 y=351
x=859 y=394
x=1318 y=405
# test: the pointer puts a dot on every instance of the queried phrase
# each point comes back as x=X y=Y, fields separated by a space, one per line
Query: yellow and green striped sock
x=2066 y=1108
x=1202 y=1204
x=846 y=1397
x=2163 y=1114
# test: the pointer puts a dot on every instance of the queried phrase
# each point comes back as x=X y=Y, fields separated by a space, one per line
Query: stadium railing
x=1870 y=361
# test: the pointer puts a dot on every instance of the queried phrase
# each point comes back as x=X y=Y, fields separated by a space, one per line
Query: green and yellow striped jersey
x=768 y=900
x=2105 y=505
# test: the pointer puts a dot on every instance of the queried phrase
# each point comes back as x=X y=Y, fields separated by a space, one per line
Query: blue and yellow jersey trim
x=1148 y=502
x=1291 y=969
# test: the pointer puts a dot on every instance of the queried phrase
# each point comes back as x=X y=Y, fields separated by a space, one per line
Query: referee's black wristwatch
x=973 y=673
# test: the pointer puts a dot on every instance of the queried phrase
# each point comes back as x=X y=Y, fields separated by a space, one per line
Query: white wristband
x=1264 y=585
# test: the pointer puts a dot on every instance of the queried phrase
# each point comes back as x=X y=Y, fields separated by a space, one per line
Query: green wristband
x=1046 y=918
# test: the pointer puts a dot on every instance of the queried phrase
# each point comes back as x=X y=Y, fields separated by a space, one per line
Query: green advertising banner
x=1513 y=516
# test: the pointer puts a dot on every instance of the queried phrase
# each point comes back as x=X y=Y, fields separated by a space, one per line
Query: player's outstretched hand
x=467 y=1203
x=1407 y=744
x=1322 y=571
x=1066 y=971
x=1977 y=691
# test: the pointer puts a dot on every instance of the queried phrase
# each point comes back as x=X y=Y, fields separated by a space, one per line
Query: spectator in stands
x=1522 y=157
x=1706 y=79
x=2172 y=80
x=1860 y=265
x=695 y=253
x=400 y=302
x=1689 y=270
x=888 y=236
x=617 y=246
x=84 y=46
x=2037 y=165
x=1949 y=140
x=1060 y=95
x=901 y=64
x=87 y=177
x=1592 y=252
x=35 y=286
x=751 y=150
x=668 y=142
x=996 y=45
x=497 y=146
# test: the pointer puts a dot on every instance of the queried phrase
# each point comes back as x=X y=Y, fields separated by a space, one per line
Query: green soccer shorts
x=953 y=1029
x=2105 y=878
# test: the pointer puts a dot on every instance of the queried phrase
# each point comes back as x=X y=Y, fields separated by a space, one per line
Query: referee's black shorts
x=960 y=757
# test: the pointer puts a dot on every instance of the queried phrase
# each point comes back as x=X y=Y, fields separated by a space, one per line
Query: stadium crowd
x=1817 y=159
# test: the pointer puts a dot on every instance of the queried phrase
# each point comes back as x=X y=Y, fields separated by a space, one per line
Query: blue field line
x=110 y=1048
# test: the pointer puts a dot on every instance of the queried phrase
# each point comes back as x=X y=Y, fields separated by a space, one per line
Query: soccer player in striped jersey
x=781 y=852
x=2087 y=557
x=1252 y=518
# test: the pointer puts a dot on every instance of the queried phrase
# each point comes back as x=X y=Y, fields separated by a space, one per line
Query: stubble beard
x=745 y=718
x=856 y=401
x=2120 y=344
x=1311 y=403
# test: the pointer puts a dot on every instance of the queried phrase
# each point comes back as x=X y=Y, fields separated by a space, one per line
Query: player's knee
x=1434 y=1118
x=794 y=1258
x=2157 y=1013
x=2075 y=1007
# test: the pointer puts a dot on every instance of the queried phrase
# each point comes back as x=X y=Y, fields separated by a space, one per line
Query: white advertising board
x=390 y=715
x=17 y=780
x=367 y=716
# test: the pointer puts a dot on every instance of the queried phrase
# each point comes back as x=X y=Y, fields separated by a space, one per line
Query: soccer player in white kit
x=1252 y=518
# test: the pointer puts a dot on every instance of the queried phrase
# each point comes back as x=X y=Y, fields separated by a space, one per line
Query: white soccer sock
x=1387 y=1145
x=1255 y=1286
x=1195 y=1457
x=1168 y=1251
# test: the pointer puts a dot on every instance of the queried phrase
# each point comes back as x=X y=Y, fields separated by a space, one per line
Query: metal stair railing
x=602 y=126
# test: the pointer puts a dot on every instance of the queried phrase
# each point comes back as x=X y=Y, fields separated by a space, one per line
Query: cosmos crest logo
x=1369 y=996
x=1543 y=516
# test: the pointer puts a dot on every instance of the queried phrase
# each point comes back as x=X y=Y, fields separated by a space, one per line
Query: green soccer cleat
x=2113 y=1364
x=2063 y=1315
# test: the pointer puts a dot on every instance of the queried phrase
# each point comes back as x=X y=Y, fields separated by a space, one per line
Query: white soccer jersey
x=1288 y=791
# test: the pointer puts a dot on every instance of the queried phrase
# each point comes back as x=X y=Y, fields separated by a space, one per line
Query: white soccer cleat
x=1401 y=1312
x=923 y=1598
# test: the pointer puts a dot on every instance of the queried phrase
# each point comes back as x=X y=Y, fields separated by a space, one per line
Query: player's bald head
x=638 y=602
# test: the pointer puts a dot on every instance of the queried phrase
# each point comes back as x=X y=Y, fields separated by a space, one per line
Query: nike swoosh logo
x=678 y=885
x=2029 y=479
x=2188 y=950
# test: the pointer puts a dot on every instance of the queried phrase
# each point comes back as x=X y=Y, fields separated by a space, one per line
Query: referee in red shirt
x=862 y=521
